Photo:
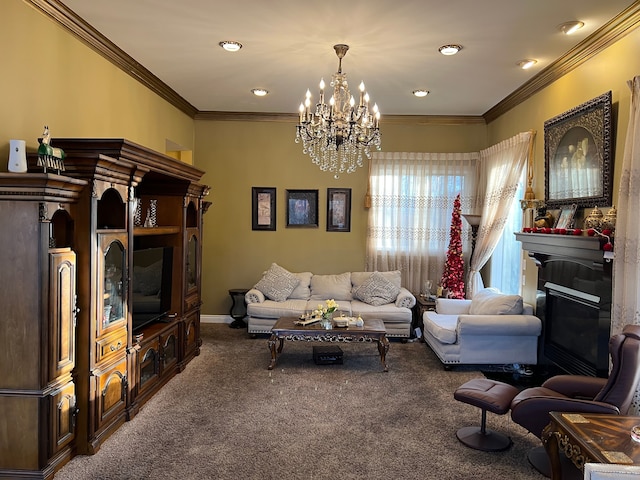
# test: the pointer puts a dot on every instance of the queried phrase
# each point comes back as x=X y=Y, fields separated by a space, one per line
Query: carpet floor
x=227 y=417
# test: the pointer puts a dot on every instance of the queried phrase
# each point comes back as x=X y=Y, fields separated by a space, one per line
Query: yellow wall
x=609 y=70
x=51 y=78
x=241 y=155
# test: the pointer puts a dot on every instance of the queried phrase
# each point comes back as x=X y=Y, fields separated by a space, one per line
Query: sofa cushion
x=388 y=313
x=377 y=290
x=278 y=283
x=358 y=278
x=272 y=309
x=302 y=290
x=441 y=327
x=336 y=287
x=490 y=301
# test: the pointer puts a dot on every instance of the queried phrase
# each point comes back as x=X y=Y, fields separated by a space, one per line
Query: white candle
x=361 y=93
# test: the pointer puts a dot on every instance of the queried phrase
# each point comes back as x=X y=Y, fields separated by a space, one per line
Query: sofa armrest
x=405 y=299
x=452 y=306
x=254 y=296
x=503 y=325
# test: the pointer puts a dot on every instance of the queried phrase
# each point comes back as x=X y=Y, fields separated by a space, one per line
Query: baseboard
x=215 y=319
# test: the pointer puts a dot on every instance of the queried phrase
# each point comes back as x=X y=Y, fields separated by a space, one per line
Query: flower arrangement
x=326 y=310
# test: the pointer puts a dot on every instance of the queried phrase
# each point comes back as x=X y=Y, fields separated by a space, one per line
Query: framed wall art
x=338 y=209
x=578 y=155
x=565 y=216
x=263 y=208
x=302 y=208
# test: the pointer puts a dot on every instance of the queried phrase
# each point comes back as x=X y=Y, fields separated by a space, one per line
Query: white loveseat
x=281 y=293
x=493 y=328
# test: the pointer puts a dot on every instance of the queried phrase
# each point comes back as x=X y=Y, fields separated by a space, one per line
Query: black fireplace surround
x=573 y=301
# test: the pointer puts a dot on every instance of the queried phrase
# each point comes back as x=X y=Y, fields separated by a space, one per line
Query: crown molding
x=61 y=14
x=606 y=35
x=293 y=118
x=609 y=33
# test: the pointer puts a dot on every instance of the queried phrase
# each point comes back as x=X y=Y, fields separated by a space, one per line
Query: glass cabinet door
x=114 y=295
x=192 y=263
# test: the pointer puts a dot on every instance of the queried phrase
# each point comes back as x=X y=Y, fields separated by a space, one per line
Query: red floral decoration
x=453 y=276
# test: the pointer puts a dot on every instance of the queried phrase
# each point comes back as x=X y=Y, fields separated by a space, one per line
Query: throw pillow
x=490 y=301
x=337 y=287
x=302 y=290
x=277 y=283
x=377 y=290
x=358 y=278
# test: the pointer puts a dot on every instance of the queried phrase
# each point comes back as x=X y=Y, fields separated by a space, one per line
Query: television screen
x=151 y=285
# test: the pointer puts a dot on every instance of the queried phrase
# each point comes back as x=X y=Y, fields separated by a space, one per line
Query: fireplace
x=573 y=302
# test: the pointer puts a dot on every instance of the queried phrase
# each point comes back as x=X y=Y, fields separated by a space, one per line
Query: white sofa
x=602 y=471
x=281 y=293
x=493 y=328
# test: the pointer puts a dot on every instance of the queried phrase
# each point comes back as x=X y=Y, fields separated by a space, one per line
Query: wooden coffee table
x=286 y=329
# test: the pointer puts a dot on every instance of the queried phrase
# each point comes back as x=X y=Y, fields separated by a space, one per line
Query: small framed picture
x=263 y=208
x=302 y=208
x=338 y=209
x=565 y=216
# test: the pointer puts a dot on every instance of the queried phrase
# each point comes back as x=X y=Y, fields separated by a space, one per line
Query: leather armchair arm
x=533 y=412
x=576 y=386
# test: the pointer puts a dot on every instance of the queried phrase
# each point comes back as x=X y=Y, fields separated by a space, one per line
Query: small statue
x=544 y=219
x=49 y=157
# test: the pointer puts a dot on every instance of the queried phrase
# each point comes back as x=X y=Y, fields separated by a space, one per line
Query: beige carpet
x=227 y=417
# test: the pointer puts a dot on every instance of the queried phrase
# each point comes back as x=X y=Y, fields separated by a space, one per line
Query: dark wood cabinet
x=38 y=394
x=77 y=365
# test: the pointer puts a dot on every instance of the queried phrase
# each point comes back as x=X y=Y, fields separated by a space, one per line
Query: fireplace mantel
x=542 y=246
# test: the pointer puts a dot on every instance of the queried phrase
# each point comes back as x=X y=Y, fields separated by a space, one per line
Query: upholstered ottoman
x=487 y=395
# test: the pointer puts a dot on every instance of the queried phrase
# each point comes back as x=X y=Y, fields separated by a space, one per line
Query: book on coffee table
x=307 y=321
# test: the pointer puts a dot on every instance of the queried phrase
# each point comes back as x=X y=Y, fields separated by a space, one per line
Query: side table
x=590 y=438
x=238 y=307
x=423 y=304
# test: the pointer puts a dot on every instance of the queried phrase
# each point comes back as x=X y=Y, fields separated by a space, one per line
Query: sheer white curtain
x=501 y=168
x=412 y=198
x=626 y=263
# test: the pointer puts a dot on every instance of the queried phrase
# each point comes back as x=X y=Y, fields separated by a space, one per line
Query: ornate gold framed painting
x=578 y=155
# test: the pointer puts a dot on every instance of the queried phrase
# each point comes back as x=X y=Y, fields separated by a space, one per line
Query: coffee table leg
x=383 y=348
x=272 y=347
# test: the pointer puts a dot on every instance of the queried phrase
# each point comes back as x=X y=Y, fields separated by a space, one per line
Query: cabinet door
x=63 y=413
x=111 y=392
x=169 y=345
x=112 y=285
x=62 y=311
x=192 y=333
x=148 y=365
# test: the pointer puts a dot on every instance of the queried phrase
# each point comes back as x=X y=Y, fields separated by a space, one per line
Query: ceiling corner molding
x=432 y=120
x=246 y=116
x=61 y=14
x=608 y=34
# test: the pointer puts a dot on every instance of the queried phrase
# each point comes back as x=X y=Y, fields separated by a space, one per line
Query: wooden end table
x=590 y=438
x=285 y=328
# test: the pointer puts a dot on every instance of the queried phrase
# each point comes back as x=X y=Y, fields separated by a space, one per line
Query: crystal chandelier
x=338 y=134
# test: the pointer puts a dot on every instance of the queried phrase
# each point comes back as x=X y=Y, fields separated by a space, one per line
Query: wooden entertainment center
x=74 y=364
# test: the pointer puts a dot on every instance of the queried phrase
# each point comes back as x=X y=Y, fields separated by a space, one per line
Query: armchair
x=573 y=393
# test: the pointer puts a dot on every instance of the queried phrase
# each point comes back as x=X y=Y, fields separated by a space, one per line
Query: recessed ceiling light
x=230 y=46
x=527 y=63
x=449 y=49
x=259 y=92
x=421 y=93
x=570 y=27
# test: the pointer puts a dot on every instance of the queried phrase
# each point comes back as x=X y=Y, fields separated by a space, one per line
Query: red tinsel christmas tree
x=453 y=276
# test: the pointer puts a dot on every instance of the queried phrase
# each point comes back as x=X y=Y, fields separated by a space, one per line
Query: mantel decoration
x=49 y=157
x=337 y=135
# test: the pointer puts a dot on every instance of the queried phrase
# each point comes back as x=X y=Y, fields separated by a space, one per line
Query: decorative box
x=327 y=355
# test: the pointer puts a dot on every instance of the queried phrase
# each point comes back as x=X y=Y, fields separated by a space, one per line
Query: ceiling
x=288 y=47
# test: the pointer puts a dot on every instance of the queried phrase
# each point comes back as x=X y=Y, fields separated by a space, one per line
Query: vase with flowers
x=326 y=312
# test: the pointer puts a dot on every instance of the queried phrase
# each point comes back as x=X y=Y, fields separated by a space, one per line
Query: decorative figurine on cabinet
x=544 y=218
x=49 y=157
